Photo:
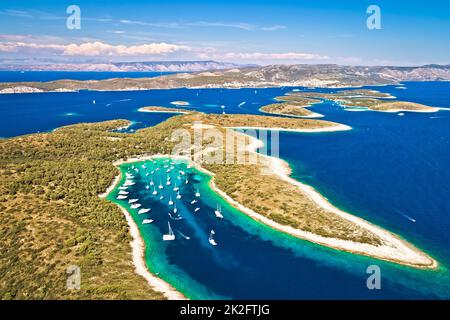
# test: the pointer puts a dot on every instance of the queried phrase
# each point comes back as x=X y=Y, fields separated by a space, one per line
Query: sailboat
x=197 y=194
x=133 y=200
x=175 y=210
x=187 y=181
x=218 y=212
x=196 y=209
x=128 y=183
x=154 y=191
x=121 y=197
x=176 y=188
x=151 y=182
x=178 y=217
x=162 y=197
x=211 y=239
x=147 y=187
x=143 y=211
x=170 y=236
x=193 y=201
x=135 y=206
x=178 y=196
x=160 y=185
x=147 y=221
x=170 y=201
x=123 y=192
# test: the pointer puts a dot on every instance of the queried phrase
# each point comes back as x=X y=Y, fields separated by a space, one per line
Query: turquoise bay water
x=388 y=169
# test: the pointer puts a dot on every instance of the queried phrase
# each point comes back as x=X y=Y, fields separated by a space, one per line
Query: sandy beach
x=162 y=111
x=340 y=127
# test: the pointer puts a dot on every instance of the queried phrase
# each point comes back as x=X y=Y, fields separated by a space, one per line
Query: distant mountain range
x=331 y=76
x=149 y=66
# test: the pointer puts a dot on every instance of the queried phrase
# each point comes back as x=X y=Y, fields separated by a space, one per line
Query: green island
x=294 y=106
x=363 y=98
x=49 y=195
x=163 y=110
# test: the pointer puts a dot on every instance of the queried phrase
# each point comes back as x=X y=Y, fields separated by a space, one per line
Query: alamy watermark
x=374 y=280
x=73 y=21
x=73 y=281
x=374 y=20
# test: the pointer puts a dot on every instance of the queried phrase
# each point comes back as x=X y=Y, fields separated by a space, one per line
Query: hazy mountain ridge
x=331 y=76
x=355 y=75
x=150 y=66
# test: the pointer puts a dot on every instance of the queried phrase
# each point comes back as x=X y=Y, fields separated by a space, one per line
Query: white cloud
x=96 y=48
x=16 y=13
x=170 y=25
x=259 y=56
x=273 y=28
x=236 y=25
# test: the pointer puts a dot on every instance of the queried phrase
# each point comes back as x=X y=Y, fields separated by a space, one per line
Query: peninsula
x=49 y=190
x=292 y=106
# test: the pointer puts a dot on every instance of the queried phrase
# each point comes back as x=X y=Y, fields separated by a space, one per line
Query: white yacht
x=133 y=200
x=218 y=212
x=147 y=221
x=143 y=211
x=135 y=206
x=170 y=236
x=211 y=239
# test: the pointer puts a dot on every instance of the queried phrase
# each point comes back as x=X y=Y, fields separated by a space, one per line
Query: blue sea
x=391 y=170
x=42 y=76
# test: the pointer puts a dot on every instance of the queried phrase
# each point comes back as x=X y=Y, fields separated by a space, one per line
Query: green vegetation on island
x=164 y=110
x=370 y=99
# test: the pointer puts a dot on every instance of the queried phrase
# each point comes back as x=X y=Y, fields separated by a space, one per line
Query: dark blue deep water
x=389 y=169
x=18 y=76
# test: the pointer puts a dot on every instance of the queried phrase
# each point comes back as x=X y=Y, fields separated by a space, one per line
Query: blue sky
x=263 y=32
